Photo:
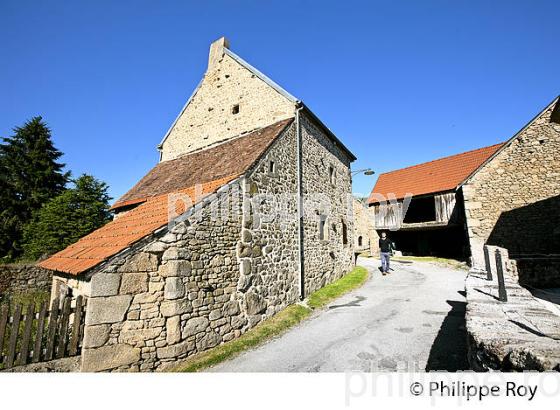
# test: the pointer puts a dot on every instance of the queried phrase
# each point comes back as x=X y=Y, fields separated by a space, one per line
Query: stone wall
x=209 y=118
x=205 y=282
x=16 y=278
x=512 y=201
x=268 y=252
x=166 y=298
x=363 y=228
x=325 y=260
x=518 y=335
x=539 y=272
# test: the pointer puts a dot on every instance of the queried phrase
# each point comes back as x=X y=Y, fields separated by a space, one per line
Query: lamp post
x=365 y=171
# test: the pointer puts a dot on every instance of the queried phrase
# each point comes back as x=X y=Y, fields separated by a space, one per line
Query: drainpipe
x=299 y=144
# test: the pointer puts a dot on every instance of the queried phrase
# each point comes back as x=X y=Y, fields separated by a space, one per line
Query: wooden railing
x=30 y=335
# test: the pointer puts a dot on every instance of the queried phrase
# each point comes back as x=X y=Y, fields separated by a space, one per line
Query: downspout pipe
x=299 y=150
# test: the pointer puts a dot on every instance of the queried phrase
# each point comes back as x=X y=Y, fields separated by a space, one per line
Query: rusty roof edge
x=508 y=142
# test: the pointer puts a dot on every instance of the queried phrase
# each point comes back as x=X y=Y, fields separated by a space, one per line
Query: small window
x=344 y=234
x=331 y=174
x=322 y=225
x=272 y=167
x=235 y=109
x=360 y=241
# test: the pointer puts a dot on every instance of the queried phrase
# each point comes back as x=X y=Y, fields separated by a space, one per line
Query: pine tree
x=66 y=218
x=30 y=176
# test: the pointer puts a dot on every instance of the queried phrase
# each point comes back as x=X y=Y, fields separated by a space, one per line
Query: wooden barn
x=505 y=195
x=422 y=206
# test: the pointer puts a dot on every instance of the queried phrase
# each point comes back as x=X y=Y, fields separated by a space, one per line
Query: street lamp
x=367 y=171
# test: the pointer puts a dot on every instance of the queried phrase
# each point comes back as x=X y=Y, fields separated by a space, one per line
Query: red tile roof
x=440 y=175
x=122 y=232
x=232 y=157
x=210 y=169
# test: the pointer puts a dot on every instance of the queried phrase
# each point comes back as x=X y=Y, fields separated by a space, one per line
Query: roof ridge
x=262 y=76
x=229 y=140
x=225 y=158
x=442 y=158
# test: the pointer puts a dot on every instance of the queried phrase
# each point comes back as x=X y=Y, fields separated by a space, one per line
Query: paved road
x=412 y=319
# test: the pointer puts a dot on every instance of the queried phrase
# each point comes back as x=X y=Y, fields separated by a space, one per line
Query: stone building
x=247 y=212
x=422 y=206
x=365 y=236
x=505 y=195
x=513 y=200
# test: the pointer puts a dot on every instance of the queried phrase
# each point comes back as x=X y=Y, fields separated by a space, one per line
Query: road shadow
x=355 y=303
x=486 y=293
x=449 y=350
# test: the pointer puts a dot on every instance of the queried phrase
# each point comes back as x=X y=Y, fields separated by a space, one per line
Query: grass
x=28 y=298
x=276 y=325
x=336 y=289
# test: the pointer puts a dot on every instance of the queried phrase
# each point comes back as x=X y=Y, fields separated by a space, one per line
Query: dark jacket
x=385 y=245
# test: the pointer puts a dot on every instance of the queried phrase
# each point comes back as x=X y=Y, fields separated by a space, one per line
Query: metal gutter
x=260 y=75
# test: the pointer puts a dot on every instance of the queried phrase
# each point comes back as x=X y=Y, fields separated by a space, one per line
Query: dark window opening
x=344 y=234
x=421 y=210
x=322 y=225
x=449 y=242
x=272 y=167
x=235 y=109
x=360 y=241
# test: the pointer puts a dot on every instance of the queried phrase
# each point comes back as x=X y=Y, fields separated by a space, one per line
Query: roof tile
x=440 y=175
x=122 y=232
x=210 y=164
x=202 y=172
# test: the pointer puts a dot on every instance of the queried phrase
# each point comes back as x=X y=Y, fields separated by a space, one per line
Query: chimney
x=217 y=52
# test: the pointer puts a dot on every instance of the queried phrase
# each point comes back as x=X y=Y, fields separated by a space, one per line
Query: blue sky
x=400 y=82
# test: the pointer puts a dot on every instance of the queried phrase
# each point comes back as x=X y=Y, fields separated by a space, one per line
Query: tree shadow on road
x=449 y=350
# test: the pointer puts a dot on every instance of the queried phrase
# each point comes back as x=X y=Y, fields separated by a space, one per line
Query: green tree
x=30 y=175
x=66 y=218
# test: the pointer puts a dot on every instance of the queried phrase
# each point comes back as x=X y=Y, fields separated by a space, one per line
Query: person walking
x=386 y=248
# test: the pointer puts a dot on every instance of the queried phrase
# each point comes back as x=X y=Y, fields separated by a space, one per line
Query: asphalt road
x=412 y=319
